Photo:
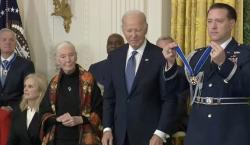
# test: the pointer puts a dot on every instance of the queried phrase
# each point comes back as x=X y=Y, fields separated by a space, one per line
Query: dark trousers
x=126 y=142
x=66 y=142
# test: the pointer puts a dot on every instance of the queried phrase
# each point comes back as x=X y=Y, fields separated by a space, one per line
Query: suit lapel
x=24 y=125
x=122 y=65
x=10 y=72
x=142 y=66
x=33 y=126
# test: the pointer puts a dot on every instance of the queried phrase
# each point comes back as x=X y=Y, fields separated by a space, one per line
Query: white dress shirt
x=30 y=115
x=138 y=56
x=224 y=44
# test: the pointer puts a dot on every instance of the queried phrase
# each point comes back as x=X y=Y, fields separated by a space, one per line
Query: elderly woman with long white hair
x=72 y=106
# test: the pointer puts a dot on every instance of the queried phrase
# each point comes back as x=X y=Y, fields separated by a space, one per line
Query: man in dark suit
x=99 y=69
x=12 y=73
x=136 y=110
x=220 y=112
x=179 y=131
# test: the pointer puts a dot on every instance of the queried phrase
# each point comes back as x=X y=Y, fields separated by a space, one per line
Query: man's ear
x=232 y=23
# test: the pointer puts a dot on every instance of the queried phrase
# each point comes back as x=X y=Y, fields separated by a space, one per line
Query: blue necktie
x=130 y=71
x=4 y=71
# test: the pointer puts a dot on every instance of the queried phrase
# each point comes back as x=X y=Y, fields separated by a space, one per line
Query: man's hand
x=107 y=138
x=155 y=140
x=217 y=54
x=68 y=120
x=170 y=54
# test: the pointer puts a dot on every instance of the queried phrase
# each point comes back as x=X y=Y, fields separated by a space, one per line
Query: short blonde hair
x=42 y=84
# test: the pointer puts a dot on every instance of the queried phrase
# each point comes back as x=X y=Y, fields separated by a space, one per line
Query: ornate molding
x=62 y=8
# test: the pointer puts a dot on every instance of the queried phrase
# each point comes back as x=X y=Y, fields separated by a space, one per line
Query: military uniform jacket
x=221 y=124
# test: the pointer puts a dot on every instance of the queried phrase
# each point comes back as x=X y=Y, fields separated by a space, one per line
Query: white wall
x=92 y=22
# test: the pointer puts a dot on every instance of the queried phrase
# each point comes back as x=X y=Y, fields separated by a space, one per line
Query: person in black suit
x=179 y=131
x=220 y=90
x=99 y=69
x=26 y=119
x=136 y=110
x=13 y=70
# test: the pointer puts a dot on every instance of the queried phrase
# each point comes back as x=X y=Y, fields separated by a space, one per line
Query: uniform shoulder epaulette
x=244 y=45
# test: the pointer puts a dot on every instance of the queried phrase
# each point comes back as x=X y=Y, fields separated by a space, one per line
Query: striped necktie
x=4 y=71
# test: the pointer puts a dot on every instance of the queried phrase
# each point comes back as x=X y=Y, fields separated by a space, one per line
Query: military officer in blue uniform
x=219 y=80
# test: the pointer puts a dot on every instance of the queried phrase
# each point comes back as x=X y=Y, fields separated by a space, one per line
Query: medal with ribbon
x=193 y=72
x=6 y=66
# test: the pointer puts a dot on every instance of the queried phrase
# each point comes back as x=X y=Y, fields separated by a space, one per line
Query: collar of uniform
x=224 y=44
x=140 y=50
x=9 y=58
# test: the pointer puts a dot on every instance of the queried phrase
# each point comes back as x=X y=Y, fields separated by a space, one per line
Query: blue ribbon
x=9 y=64
x=184 y=60
x=199 y=64
x=202 y=60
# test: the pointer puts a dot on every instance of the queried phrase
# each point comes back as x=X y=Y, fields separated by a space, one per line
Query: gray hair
x=63 y=44
x=7 y=30
x=135 y=12
x=164 y=38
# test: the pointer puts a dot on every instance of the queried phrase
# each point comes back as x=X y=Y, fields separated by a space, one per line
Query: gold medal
x=193 y=80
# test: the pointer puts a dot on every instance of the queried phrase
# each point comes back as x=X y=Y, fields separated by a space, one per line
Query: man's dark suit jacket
x=19 y=134
x=146 y=108
x=98 y=70
x=11 y=92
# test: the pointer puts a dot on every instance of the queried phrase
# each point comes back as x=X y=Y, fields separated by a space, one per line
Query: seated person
x=13 y=70
x=26 y=119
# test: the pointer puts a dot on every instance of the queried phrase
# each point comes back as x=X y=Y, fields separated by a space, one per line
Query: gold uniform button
x=209 y=115
x=210 y=85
